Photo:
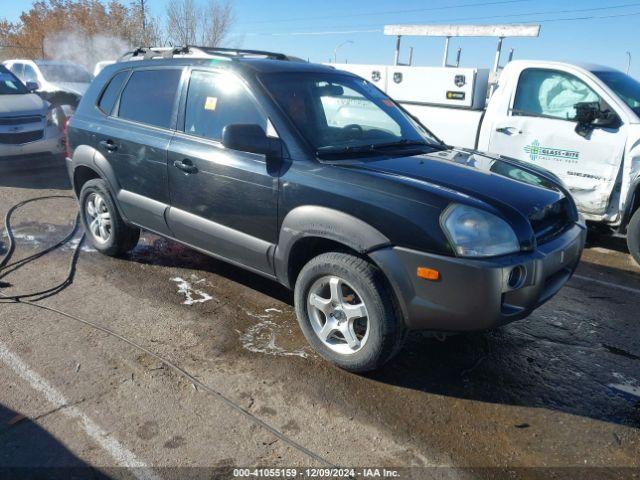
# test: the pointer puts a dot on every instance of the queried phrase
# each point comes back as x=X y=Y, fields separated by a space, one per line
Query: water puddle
x=39 y=236
x=270 y=337
x=155 y=250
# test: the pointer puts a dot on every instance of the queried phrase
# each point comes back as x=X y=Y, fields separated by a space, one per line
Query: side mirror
x=608 y=119
x=589 y=116
x=587 y=112
x=32 y=86
x=251 y=138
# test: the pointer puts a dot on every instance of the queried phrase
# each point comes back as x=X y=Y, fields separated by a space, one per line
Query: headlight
x=475 y=233
x=52 y=117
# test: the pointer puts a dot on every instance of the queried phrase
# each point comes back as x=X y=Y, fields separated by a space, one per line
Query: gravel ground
x=559 y=391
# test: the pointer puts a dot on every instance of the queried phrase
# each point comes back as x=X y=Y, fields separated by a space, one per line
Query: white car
x=30 y=128
x=100 y=65
x=62 y=83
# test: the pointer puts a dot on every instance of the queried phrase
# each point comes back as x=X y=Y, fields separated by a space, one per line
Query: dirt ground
x=558 y=392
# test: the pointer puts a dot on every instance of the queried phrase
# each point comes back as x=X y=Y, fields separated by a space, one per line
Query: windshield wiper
x=352 y=150
x=403 y=143
x=356 y=150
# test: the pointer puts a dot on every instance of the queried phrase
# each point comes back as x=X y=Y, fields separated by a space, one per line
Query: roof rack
x=149 y=53
x=238 y=52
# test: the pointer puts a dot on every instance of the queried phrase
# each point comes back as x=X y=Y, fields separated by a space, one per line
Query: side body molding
x=323 y=222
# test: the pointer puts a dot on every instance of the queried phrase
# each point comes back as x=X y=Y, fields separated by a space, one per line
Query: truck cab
x=533 y=116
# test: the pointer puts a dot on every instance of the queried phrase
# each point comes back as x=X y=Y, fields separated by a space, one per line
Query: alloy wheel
x=338 y=315
x=98 y=218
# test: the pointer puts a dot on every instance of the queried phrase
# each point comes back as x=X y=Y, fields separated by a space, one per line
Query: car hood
x=505 y=184
x=21 y=105
x=71 y=87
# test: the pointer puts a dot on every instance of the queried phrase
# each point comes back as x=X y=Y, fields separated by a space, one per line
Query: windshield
x=10 y=85
x=341 y=113
x=627 y=88
x=65 y=73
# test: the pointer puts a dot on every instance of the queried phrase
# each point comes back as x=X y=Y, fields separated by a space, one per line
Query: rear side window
x=215 y=100
x=149 y=97
x=110 y=94
x=550 y=93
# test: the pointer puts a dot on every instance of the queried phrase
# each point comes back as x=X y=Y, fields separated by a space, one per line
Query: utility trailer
x=581 y=122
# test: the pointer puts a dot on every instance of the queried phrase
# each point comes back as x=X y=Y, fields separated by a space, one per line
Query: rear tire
x=347 y=312
x=633 y=236
x=105 y=229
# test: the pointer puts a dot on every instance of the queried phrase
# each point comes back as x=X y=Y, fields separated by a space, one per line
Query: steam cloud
x=83 y=49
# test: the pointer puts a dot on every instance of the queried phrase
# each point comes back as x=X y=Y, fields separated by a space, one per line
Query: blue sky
x=286 y=25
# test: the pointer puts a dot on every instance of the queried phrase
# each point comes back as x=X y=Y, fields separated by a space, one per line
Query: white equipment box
x=436 y=86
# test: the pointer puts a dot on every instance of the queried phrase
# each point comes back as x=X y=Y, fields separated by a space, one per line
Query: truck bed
x=454 y=126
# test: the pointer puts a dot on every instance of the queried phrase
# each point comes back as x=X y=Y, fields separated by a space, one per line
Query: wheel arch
x=307 y=231
x=88 y=164
x=632 y=205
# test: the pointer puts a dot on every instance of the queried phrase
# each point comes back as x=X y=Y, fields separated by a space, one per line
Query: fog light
x=517 y=276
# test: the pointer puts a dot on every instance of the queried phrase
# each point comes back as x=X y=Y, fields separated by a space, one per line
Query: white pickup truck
x=581 y=122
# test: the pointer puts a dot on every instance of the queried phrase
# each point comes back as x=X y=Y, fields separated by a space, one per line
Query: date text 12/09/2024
x=315 y=473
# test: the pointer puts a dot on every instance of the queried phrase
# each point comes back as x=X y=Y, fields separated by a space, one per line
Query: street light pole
x=335 y=50
x=628 y=62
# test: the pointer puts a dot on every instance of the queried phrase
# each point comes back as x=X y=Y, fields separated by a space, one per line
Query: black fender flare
x=86 y=156
x=631 y=205
x=323 y=222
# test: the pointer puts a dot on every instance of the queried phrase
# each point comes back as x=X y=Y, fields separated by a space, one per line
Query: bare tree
x=217 y=21
x=183 y=22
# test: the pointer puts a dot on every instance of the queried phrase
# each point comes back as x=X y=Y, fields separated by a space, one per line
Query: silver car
x=30 y=129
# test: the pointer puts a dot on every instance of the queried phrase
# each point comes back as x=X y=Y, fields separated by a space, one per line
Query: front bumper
x=474 y=294
x=51 y=144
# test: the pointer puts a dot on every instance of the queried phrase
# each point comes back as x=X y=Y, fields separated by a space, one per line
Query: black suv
x=314 y=178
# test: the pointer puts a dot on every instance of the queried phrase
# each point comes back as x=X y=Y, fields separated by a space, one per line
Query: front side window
x=215 y=100
x=339 y=112
x=149 y=97
x=18 y=70
x=551 y=93
x=9 y=84
x=29 y=74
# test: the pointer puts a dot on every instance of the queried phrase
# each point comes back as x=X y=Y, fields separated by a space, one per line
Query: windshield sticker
x=211 y=103
x=536 y=152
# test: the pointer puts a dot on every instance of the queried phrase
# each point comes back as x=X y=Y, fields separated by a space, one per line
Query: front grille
x=551 y=221
x=19 y=138
x=20 y=120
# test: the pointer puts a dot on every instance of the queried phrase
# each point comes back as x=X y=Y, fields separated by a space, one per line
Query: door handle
x=186 y=166
x=108 y=145
x=509 y=130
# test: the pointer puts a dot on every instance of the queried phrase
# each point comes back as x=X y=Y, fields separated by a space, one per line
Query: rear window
x=149 y=97
x=110 y=94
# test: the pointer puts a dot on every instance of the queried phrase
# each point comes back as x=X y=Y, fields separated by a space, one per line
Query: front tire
x=633 y=236
x=105 y=229
x=347 y=312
